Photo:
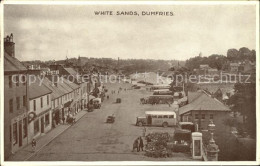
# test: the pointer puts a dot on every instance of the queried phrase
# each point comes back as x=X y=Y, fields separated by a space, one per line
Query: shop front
x=57 y=116
x=18 y=132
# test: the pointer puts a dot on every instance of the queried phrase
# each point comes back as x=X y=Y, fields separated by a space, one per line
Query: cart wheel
x=140 y=124
x=165 y=124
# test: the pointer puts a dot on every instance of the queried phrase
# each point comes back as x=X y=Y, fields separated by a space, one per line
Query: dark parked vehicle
x=111 y=119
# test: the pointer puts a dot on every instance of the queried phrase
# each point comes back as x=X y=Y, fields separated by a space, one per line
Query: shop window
x=47 y=119
x=24 y=128
x=36 y=127
x=15 y=134
x=11 y=109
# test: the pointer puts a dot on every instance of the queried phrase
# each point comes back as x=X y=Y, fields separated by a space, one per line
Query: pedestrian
x=135 y=145
x=63 y=119
x=33 y=145
x=138 y=143
x=141 y=144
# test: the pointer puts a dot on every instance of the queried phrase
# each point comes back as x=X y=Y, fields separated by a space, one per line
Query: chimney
x=9 y=45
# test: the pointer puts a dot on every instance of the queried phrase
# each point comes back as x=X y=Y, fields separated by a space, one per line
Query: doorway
x=149 y=120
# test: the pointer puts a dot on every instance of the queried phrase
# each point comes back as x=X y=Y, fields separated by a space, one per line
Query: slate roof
x=71 y=71
x=37 y=89
x=61 y=89
x=12 y=64
x=201 y=101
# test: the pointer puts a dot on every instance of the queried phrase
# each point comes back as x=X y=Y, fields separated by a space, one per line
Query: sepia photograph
x=161 y=82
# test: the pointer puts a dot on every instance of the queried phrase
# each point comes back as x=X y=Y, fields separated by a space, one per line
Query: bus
x=162 y=92
x=162 y=86
x=157 y=118
x=160 y=99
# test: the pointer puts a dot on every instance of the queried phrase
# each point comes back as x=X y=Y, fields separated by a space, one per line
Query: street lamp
x=212 y=148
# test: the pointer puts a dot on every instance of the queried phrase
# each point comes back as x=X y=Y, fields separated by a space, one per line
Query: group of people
x=119 y=90
x=138 y=144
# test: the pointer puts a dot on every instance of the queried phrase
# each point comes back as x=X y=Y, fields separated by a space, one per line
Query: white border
x=133 y=3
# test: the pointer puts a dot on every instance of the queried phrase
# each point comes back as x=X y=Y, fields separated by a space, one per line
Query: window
x=165 y=116
x=17 y=80
x=196 y=116
x=10 y=128
x=211 y=116
x=41 y=102
x=15 y=138
x=10 y=82
x=202 y=116
x=58 y=101
x=24 y=128
x=159 y=116
x=36 y=127
x=24 y=101
x=18 y=102
x=171 y=116
x=34 y=105
x=47 y=119
x=24 y=80
x=48 y=100
x=154 y=116
x=11 y=106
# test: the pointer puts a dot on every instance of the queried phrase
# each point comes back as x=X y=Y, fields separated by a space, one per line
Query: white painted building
x=39 y=110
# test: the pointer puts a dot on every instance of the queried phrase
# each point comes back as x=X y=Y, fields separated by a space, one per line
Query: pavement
x=26 y=152
x=92 y=139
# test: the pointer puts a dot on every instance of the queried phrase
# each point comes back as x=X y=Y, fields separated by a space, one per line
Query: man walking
x=141 y=144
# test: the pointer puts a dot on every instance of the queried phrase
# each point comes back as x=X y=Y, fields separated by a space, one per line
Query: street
x=92 y=139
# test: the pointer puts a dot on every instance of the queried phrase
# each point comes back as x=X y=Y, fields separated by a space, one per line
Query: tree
x=244 y=101
x=232 y=54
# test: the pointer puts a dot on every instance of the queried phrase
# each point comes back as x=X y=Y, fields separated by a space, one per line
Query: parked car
x=111 y=119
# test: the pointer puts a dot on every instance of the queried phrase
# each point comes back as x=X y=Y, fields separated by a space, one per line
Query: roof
x=12 y=64
x=201 y=101
x=162 y=90
x=160 y=113
x=71 y=71
x=37 y=89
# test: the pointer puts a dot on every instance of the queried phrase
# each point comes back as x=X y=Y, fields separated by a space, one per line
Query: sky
x=52 y=32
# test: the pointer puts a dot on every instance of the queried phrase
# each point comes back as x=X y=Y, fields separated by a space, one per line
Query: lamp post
x=212 y=148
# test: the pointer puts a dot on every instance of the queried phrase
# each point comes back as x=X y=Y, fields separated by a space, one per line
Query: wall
x=16 y=116
x=41 y=112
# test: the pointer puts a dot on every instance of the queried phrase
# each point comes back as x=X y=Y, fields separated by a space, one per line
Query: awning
x=68 y=103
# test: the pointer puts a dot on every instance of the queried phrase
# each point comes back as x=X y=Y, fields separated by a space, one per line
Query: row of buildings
x=37 y=100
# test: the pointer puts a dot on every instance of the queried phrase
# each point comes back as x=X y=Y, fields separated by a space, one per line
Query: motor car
x=110 y=119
